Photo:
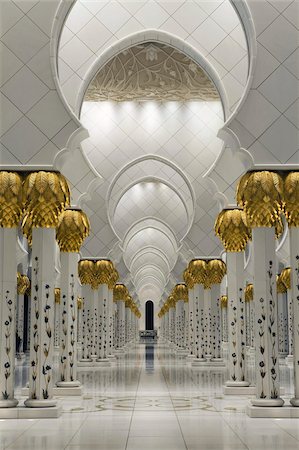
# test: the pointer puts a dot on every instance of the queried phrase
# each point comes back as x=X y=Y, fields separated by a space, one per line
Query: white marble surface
x=152 y=400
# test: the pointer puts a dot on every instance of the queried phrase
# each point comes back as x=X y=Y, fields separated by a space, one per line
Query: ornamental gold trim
x=188 y=279
x=291 y=199
x=232 y=229
x=120 y=292
x=285 y=277
x=223 y=301
x=248 y=292
x=57 y=295
x=180 y=292
x=23 y=284
x=11 y=199
x=280 y=286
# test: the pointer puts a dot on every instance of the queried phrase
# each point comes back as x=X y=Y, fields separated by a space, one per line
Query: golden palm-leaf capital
x=188 y=279
x=27 y=228
x=45 y=196
x=103 y=268
x=23 y=284
x=171 y=301
x=260 y=194
x=114 y=277
x=128 y=301
x=57 y=294
x=223 y=301
x=280 y=286
x=79 y=302
x=232 y=229
x=120 y=292
x=85 y=271
x=180 y=292
x=285 y=277
x=73 y=227
x=291 y=199
x=198 y=270
x=248 y=292
x=216 y=269
x=11 y=200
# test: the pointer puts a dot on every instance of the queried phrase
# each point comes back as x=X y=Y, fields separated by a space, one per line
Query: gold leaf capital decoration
x=232 y=229
x=285 y=277
x=57 y=295
x=45 y=196
x=85 y=271
x=120 y=292
x=11 y=201
x=103 y=270
x=216 y=269
x=128 y=301
x=280 y=286
x=23 y=284
x=180 y=292
x=171 y=301
x=198 y=270
x=188 y=279
x=291 y=199
x=248 y=292
x=73 y=227
x=114 y=277
x=223 y=301
x=260 y=194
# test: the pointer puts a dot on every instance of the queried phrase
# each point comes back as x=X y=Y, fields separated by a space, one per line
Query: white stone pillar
x=216 y=322
x=199 y=329
x=120 y=294
x=57 y=317
x=8 y=295
x=87 y=312
x=171 y=331
x=294 y=258
x=207 y=299
x=23 y=285
x=102 y=322
x=236 y=323
x=224 y=318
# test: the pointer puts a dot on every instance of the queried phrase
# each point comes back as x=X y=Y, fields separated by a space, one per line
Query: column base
x=181 y=352
x=294 y=401
x=235 y=384
x=112 y=358
x=10 y=403
x=267 y=402
x=22 y=412
x=36 y=403
x=217 y=362
x=102 y=362
x=190 y=357
x=198 y=362
x=285 y=412
x=84 y=363
x=290 y=360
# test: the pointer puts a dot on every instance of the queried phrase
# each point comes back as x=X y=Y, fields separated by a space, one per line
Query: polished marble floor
x=151 y=400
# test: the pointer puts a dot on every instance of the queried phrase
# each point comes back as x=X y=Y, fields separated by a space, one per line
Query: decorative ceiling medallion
x=151 y=71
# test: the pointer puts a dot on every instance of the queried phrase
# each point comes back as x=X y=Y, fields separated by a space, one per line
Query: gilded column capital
x=114 y=277
x=171 y=301
x=73 y=227
x=103 y=268
x=120 y=292
x=216 y=269
x=180 y=292
x=232 y=229
x=291 y=199
x=57 y=295
x=45 y=196
x=285 y=277
x=198 y=270
x=260 y=194
x=248 y=292
x=85 y=271
x=11 y=200
x=23 y=284
x=280 y=286
x=188 y=279
x=128 y=301
x=223 y=301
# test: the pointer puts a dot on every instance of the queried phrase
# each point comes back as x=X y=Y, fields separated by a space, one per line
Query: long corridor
x=151 y=400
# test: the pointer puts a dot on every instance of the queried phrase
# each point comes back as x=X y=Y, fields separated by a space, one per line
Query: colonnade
x=38 y=205
x=259 y=311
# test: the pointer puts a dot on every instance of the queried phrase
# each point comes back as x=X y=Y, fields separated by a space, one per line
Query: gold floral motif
x=260 y=194
x=216 y=269
x=223 y=301
x=73 y=227
x=280 y=286
x=180 y=292
x=198 y=270
x=57 y=295
x=232 y=229
x=45 y=196
x=248 y=292
x=11 y=202
x=285 y=277
x=120 y=292
x=23 y=284
x=291 y=199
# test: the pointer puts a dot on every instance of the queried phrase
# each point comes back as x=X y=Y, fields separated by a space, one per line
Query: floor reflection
x=149 y=357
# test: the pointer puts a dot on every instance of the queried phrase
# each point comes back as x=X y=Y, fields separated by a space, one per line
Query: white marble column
x=102 y=322
x=199 y=328
x=171 y=331
x=20 y=325
x=207 y=300
x=8 y=295
x=57 y=317
x=110 y=339
x=294 y=258
x=266 y=331
x=224 y=318
x=216 y=322
x=87 y=311
x=42 y=319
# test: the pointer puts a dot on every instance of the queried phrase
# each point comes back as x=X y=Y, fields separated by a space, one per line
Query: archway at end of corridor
x=149 y=315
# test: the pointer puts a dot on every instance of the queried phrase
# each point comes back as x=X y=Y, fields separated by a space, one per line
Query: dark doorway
x=149 y=315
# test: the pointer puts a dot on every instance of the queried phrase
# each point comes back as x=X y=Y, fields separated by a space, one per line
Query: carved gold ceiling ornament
x=280 y=286
x=285 y=277
x=232 y=229
x=248 y=292
x=120 y=292
x=188 y=279
x=291 y=199
x=73 y=227
x=45 y=196
x=180 y=292
x=23 y=284
x=260 y=194
x=223 y=301
x=57 y=293
x=216 y=269
x=198 y=270
x=11 y=200
x=151 y=71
